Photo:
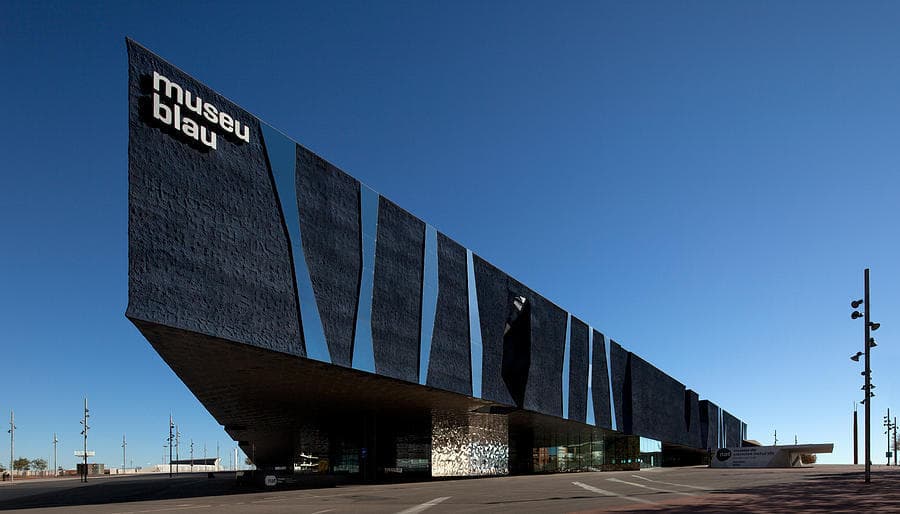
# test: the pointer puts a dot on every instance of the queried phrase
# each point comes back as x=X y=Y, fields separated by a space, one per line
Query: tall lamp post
x=12 y=443
x=868 y=344
x=55 y=462
x=855 y=436
x=171 y=440
x=889 y=427
x=84 y=432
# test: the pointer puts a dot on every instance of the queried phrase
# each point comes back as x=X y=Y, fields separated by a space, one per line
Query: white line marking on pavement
x=184 y=506
x=426 y=505
x=269 y=500
x=650 y=488
x=322 y=511
x=672 y=483
x=610 y=493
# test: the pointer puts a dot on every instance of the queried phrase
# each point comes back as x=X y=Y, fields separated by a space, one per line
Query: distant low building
x=93 y=469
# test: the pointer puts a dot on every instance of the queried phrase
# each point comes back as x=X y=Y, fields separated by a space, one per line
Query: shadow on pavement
x=123 y=490
x=844 y=492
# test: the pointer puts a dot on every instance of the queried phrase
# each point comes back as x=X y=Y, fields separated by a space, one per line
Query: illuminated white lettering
x=201 y=129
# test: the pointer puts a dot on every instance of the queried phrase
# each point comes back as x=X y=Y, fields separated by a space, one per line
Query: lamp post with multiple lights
x=890 y=429
x=868 y=343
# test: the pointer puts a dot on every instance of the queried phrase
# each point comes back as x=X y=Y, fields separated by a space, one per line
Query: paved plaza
x=698 y=489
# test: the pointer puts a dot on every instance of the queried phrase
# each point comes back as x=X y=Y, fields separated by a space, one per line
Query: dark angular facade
x=733 y=430
x=330 y=229
x=600 y=386
x=657 y=403
x=397 y=299
x=709 y=424
x=579 y=353
x=450 y=366
x=340 y=324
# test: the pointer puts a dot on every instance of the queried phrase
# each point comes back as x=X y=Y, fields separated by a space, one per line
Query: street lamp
x=888 y=426
x=171 y=439
x=84 y=432
x=12 y=443
x=868 y=343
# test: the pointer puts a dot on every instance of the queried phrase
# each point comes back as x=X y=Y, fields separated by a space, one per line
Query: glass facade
x=651 y=453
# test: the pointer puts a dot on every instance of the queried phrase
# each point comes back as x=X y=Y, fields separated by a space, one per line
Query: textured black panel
x=450 y=366
x=709 y=424
x=620 y=374
x=517 y=338
x=543 y=392
x=208 y=251
x=397 y=292
x=732 y=427
x=657 y=403
x=493 y=305
x=600 y=383
x=328 y=201
x=692 y=420
x=578 y=370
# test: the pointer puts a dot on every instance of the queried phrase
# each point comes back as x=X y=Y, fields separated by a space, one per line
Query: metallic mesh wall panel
x=493 y=305
x=732 y=429
x=619 y=367
x=578 y=370
x=600 y=383
x=657 y=403
x=450 y=367
x=543 y=391
x=692 y=420
x=709 y=424
x=330 y=224
x=207 y=245
x=469 y=445
x=397 y=292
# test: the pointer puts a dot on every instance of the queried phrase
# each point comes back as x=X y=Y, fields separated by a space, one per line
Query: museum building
x=331 y=331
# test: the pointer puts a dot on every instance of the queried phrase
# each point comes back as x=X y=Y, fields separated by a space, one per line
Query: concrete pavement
x=818 y=489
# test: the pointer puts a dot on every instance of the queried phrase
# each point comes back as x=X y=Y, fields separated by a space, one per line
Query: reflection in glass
x=363 y=352
x=590 y=419
x=565 y=370
x=475 y=348
x=612 y=403
x=429 y=301
x=651 y=453
x=282 y=154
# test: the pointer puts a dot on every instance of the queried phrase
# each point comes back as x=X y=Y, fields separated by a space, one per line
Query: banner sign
x=748 y=457
x=788 y=456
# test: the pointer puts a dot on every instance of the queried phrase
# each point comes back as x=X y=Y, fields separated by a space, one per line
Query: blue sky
x=702 y=181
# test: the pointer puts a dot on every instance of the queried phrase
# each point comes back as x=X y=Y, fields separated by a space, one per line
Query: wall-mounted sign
x=766 y=456
x=181 y=110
